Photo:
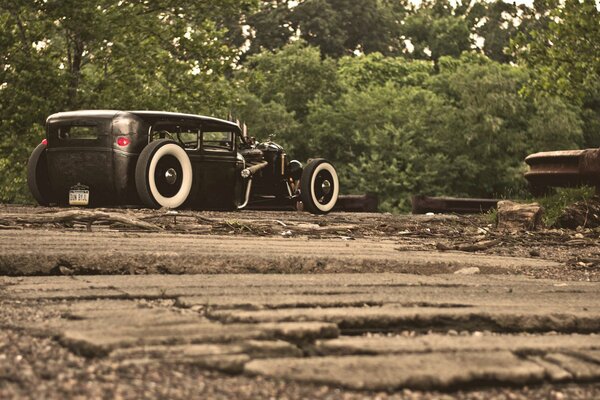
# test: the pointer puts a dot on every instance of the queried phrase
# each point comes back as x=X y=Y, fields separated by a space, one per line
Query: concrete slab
x=288 y=326
x=443 y=297
x=253 y=348
x=97 y=341
x=162 y=252
x=417 y=371
x=554 y=372
x=254 y=288
x=350 y=345
x=376 y=319
x=578 y=365
x=229 y=358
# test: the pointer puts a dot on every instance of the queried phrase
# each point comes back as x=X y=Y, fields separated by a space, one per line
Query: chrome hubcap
x=326 y=187
x=171 y=176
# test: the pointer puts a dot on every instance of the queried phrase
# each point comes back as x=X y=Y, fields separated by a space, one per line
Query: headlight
x=245 y=173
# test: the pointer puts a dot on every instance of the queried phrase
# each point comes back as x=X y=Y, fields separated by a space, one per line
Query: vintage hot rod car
x=162 y=159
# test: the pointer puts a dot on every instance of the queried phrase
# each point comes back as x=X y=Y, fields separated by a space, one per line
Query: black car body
x=162 y=159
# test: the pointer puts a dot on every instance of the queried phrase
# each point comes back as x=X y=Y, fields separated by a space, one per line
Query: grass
x=555 y=202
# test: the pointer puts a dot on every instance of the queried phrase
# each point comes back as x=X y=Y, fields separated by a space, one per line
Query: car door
x=217 y=168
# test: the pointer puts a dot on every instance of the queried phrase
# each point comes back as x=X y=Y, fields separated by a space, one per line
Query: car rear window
x=78 y=132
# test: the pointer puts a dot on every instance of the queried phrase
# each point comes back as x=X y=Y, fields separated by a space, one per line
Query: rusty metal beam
x=424 y=204
x=350 y=203
x=565 y=168
x=357 y=203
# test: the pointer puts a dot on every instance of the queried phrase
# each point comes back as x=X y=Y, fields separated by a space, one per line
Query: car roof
x=150 y=116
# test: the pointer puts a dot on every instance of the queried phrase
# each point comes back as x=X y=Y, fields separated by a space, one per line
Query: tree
x=563 y=55
x=496 y=23
x=498 y=127
x=375 y=68
x=64 y=55
x=400 y=128
x=280 y=87
x=436 y=28
x=337 y=27
x=381 y=139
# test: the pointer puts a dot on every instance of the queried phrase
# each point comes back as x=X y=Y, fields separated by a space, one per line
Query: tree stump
x=516 y=216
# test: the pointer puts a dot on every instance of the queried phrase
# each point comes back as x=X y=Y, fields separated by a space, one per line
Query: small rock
x=65 y=270
x=534 y=253
x=467 y=271
x=442 y=247
x=452 y=332
x=557 y=395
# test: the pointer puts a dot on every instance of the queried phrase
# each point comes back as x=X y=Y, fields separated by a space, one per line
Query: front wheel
x=319 y=186
x=38 y=179
x=163 y=175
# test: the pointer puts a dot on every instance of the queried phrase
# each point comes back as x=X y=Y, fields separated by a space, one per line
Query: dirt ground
x=575 y=254
x=71 y=242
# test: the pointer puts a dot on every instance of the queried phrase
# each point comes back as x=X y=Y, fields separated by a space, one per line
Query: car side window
x=217 y=141
x=187 y=136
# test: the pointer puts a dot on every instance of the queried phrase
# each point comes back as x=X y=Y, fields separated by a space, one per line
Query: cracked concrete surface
x=374 y=310
x=117 y=253
x=406 y=331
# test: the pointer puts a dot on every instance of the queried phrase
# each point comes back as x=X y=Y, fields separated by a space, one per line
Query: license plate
x=79 y=197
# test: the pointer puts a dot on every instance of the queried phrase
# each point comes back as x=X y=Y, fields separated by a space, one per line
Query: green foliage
x=402 y=99
x=386 y=151
x=563 y=53
x=463 y=131
x=293 y=77
x=435 y=30
x=375 y=68
x=337 y=27
x=555 y=202
x=280 y=88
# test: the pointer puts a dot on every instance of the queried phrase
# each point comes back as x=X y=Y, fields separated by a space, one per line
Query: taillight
x=45 y=142
x=123 y=141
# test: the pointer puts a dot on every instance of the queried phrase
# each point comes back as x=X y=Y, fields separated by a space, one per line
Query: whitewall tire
x=319 y=186
x=163 y=175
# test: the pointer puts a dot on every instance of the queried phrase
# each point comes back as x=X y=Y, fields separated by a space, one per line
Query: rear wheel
x=319 y=186
x=38 y=179
x=163 y=175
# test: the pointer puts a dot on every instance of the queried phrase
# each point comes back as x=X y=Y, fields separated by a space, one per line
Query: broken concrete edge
x=227 y=358
x=232 y=364
x=256 y=305
x=430 y=371
x=391 y=373
x=523 y=346
x=435 y=320
x=295 y=333
x=253 y=348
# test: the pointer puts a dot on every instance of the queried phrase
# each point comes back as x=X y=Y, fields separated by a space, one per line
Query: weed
x=555 y=202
